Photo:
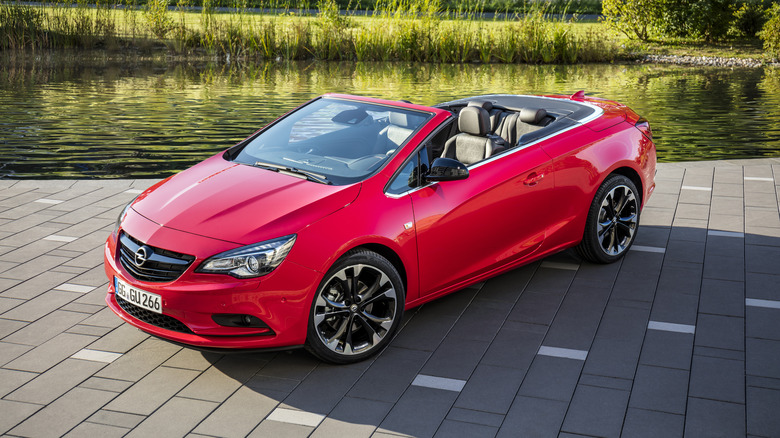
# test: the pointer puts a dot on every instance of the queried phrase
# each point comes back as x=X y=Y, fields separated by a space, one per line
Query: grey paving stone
x=419 y=412
x=55 y=382
x=480 y=321
x=296 y=364
x=31 y=250
x=455 y=358
x=613 y=357
x=240 y=413
x=51 y=352
x=9 y=351
x=536 y=307
x=152 y=391
x=269 y=428
x=322 y=390
x=393 y=371
x=692 y=211
x=103 y=384
x=727 y=223
x=550 y=280
x=757 y=235
x=685 y=250
x=718 y=379
x=101 y=430
x=720 y=332
x=35 y=266
x=353 y=418
x=507 y=287
x=606 y=382
x=14 y=413
x=8 y=326
x=64 y=413
x=120 y=340
x=424 y=331
x=675 y=307
x=596 y=411
x=657 y=217
x=660 y=389
x=534 y=417
x=762 y=259
x=552 y=378
x=578 y=318
x=120 y=419
x=49 y=326
x=623 y=323
x=212 y=385
x=476 y=417
x=139 y=361
x=762 y=323
x=191 y=359
x=724 y=267
x=596 y=275
x=667 y=349
x=762 y=406
x=515 y=345
x=490 y=389
x=762 y=286
x=450 y=428
x=187 y=412
x=720 y=297
x=727 y=205
x=714 y=418
x=90 y=309
x=642 y=423
x=36 y=285
x=91 y=330
x=451 y=305
x=276 y=384
x=12 y=379
x=762 y=357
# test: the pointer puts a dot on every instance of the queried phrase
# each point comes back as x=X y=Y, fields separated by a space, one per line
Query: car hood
x=239 y=203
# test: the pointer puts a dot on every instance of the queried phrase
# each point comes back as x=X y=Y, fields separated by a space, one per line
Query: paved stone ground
x=682 y=337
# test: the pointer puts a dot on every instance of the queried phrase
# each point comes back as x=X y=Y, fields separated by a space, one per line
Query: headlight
x=123 y=214
x=250 y=261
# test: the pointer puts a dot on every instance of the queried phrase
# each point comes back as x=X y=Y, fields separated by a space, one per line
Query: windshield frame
x=235 y=152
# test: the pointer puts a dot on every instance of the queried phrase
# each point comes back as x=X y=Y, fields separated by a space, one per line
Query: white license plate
x=139 y=297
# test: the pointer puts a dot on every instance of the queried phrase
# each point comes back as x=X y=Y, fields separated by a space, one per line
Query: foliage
x=158 y=19
x=634 y=18
x=770 y=33
x=749 y=19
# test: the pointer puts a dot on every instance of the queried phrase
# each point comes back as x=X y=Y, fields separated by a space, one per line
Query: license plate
x=139 y=297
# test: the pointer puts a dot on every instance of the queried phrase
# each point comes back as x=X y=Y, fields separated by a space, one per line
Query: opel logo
x=141 y=256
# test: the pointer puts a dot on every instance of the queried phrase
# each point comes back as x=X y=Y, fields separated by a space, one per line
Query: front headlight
x=123 y=214
x=251 y=260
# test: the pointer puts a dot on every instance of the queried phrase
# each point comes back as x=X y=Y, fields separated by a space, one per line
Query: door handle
x=533 y=179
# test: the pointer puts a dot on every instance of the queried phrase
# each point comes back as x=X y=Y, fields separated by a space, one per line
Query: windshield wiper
x=311 y=176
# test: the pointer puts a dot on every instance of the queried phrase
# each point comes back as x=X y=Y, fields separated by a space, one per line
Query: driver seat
x=472 y=144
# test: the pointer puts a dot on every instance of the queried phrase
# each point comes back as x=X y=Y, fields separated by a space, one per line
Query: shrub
x=634 y=18
x=749 y=19
x=770 y=33
x=158 y=19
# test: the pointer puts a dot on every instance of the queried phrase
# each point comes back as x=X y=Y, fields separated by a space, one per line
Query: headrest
x=474 y=120
x=532 y=115
x=399 y=119
x=482 y=104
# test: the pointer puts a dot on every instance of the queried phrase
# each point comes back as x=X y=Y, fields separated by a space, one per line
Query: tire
x=357 y=309
x=609 y=234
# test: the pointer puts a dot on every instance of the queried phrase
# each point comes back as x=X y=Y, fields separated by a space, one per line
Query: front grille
x=156 y=319
x=155 y=265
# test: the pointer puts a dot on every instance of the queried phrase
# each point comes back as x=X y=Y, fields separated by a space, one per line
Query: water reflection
x=101 y=118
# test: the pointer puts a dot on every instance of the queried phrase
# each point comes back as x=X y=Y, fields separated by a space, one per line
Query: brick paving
x=680 y=338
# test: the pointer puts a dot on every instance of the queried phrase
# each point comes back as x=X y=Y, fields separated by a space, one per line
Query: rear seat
x=509 y=126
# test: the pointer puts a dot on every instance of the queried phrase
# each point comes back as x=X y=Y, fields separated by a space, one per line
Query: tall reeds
x=395 y=30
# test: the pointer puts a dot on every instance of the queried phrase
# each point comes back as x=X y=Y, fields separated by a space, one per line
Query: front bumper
x=281 y=299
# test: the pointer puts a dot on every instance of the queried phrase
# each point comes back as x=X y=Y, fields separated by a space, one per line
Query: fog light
x=238 y=320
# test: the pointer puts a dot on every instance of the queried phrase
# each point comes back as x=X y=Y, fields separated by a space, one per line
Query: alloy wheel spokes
x=617 y=220
x=355 y=310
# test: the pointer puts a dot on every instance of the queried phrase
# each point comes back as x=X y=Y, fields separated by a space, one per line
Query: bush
x=770 y=33
x=749 y=19
x=634 y=18
x=708 y=19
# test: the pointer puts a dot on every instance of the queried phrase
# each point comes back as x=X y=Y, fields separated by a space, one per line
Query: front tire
x=613 y=220
x=357 y=309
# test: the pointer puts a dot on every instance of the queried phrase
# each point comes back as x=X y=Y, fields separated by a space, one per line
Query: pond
x=98 y=118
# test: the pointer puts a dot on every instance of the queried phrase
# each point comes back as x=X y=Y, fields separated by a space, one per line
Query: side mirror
x=447 y=169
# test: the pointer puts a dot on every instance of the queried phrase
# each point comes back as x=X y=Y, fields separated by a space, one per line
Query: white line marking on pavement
x=725 y=233
x=670 y=327
x=769 y=304
x=296 y=417
x=75 y=288
x=563 y=352
x=561 y=265
x=134 y=191
x=96 y=355
x=56 y=238
x=439 y=383
x=48 y=201
x=648 y=249
x=702 y=189
x=758 y=178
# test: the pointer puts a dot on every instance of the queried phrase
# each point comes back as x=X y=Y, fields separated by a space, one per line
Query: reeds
x=395 y=30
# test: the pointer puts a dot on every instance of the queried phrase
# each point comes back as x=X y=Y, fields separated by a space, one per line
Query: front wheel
x=612 y=221
x=357 y=309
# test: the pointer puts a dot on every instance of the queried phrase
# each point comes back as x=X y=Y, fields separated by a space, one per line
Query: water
x=102 y=119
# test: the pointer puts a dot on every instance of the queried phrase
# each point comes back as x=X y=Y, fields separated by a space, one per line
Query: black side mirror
x=447 y=169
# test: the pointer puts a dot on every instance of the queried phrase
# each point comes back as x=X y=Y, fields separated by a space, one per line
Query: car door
x=499 y=214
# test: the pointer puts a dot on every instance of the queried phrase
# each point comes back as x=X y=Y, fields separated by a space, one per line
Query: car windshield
x=333 y=141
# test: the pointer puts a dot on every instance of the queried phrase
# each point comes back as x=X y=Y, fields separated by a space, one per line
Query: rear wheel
x=613 y=220
x=357 y=309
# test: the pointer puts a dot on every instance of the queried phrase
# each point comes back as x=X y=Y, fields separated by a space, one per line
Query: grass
x=397 y=30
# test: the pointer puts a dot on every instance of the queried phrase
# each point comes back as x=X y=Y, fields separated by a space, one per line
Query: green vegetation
x=401 y=30
x=771 y=32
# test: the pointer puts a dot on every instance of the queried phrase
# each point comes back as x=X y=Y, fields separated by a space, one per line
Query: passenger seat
x=393 y=135
x=514 y=125
x=472 y=144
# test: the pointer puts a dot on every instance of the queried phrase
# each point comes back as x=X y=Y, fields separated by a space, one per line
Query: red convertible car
x=320 y=229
